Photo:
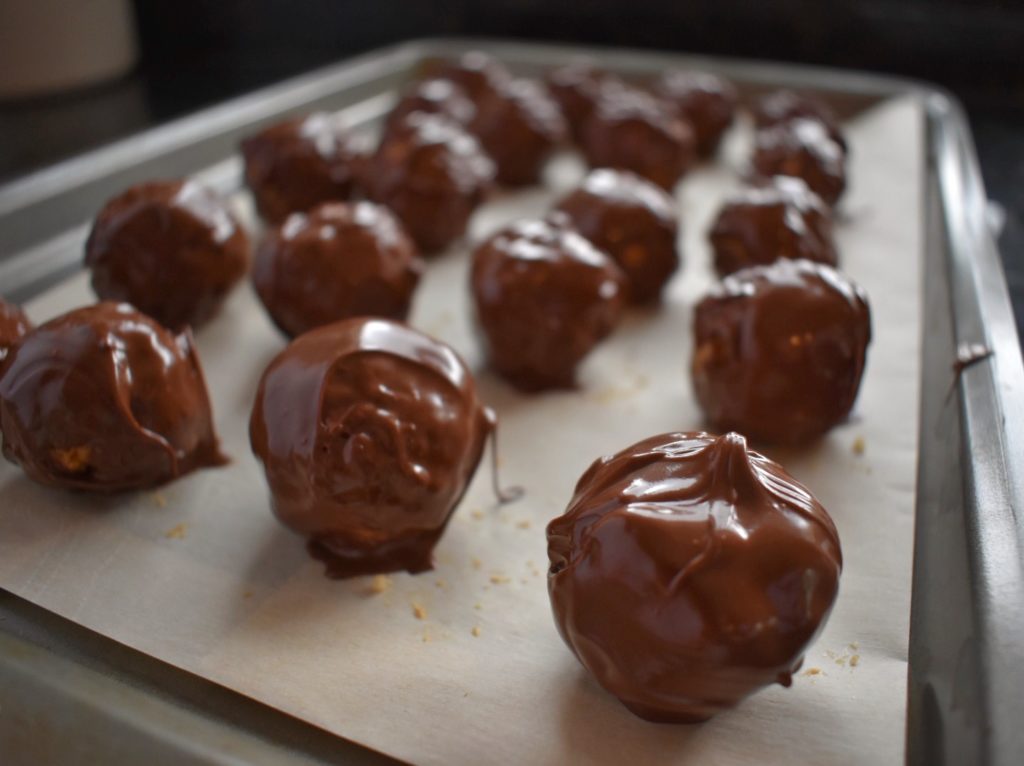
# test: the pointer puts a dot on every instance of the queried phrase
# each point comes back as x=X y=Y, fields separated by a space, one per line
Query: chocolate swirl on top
x=688 y=572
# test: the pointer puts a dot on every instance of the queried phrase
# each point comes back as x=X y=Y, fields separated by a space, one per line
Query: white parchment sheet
x=463 y=664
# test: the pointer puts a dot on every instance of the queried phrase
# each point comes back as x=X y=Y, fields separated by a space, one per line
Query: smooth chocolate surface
x=705 y=100
x=172 y=249
x=778 y=218
x=369 y=433
x=297 y=164
x=576 y=87
x=779 y=351
x=519 y=127
x=544 y=297
x=338 y=261
x=433 y=175
x=13 y=325
x=103 y=398
x=802 y=148
x=632 y=220
x=784 y=105
x=688 y=572
x=434 y=96
x=632 y=130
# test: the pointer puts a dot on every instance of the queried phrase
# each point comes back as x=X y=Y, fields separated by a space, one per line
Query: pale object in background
x=48 y=46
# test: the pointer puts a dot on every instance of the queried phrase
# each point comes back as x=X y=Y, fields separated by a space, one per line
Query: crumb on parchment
x=380 y=584
x=177 y=532
x=855 y=661
x=813 y=672
x=478 y=606
x=476 y=631
x=475 y=563
x=159 y=500
x=477 y=514
x=500 y=579
x=524 y=524
x=419 y=612
x=859 y=445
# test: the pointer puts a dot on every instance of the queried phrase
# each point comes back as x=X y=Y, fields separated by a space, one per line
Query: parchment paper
x=463 y=664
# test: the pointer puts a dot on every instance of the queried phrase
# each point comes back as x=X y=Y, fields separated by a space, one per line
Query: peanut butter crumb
x=853 y=646
x=477 y=514
x=176 y=533
x=159 y=500
x=440 y=583
x=478 y=606
x=426 y=636
x=72 y=459
x=859 y=445
x=814 y=672
x=379 y=584
x=475 y=562
x=499 y=579
x=524 y=524
x=419 y=612
x=855 y=661
x=476 y=631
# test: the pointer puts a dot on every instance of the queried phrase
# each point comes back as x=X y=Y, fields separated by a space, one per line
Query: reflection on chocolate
x=13 y=325
x=433 y=175
x=170 y=248
x=802 y=148
x=779 y=218
x=477 y=73
x=689 y=572
x=576 y=87
x=369 y=433
x=103 y=398
x=519 y=127
x=295 y=165
x=706 y=101
x=632 y=130
x=779 y=351
x=340 y=260
x=632 y=220
x=785 y=105
x=435 y=96
x=544 y=297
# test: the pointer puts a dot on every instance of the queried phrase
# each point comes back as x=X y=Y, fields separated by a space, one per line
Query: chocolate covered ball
x=706 y=101
x=172 y=249
x=688 y=572
x=433 y=175
x=519 y=128
x=433 y=96
x=338 y=261
x=785 y=105
x=369 y=433
x=576 y=87
x=544 y=297
x=779 y=218
x=779 y=351
x=632 y=220
x=802 y=148
x=103 y=398
x=632 y=130
x=13 y=325
x=480 y=75
x=297 y=164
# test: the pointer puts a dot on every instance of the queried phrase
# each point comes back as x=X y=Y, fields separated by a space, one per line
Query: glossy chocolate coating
x=780 y=218
x=519 y=127
x=802 y=148
x=632 y=220
x=688 y=572
x=785 y=105
x=295 y=165
x=13 y=325
x=632 y=130
x=433 y=175
x=338 y=261
x=369 y=433
x=434 y=96
x=103 y=398
x=576 y=87
x=172 y=249
x=779 y=351
x=544 y=296
x=706 y=101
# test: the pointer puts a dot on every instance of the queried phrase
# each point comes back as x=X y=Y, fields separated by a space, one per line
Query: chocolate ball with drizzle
x=688 y=572
x=802 y=148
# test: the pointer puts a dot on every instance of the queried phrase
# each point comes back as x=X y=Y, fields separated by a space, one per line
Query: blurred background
x=182 y=55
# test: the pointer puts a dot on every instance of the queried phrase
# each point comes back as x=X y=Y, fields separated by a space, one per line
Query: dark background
x=197 y=53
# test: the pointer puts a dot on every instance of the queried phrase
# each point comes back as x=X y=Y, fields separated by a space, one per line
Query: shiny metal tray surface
x=68 y=695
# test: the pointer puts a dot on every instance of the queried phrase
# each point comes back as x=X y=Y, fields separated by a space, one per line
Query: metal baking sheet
x=963 y=659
